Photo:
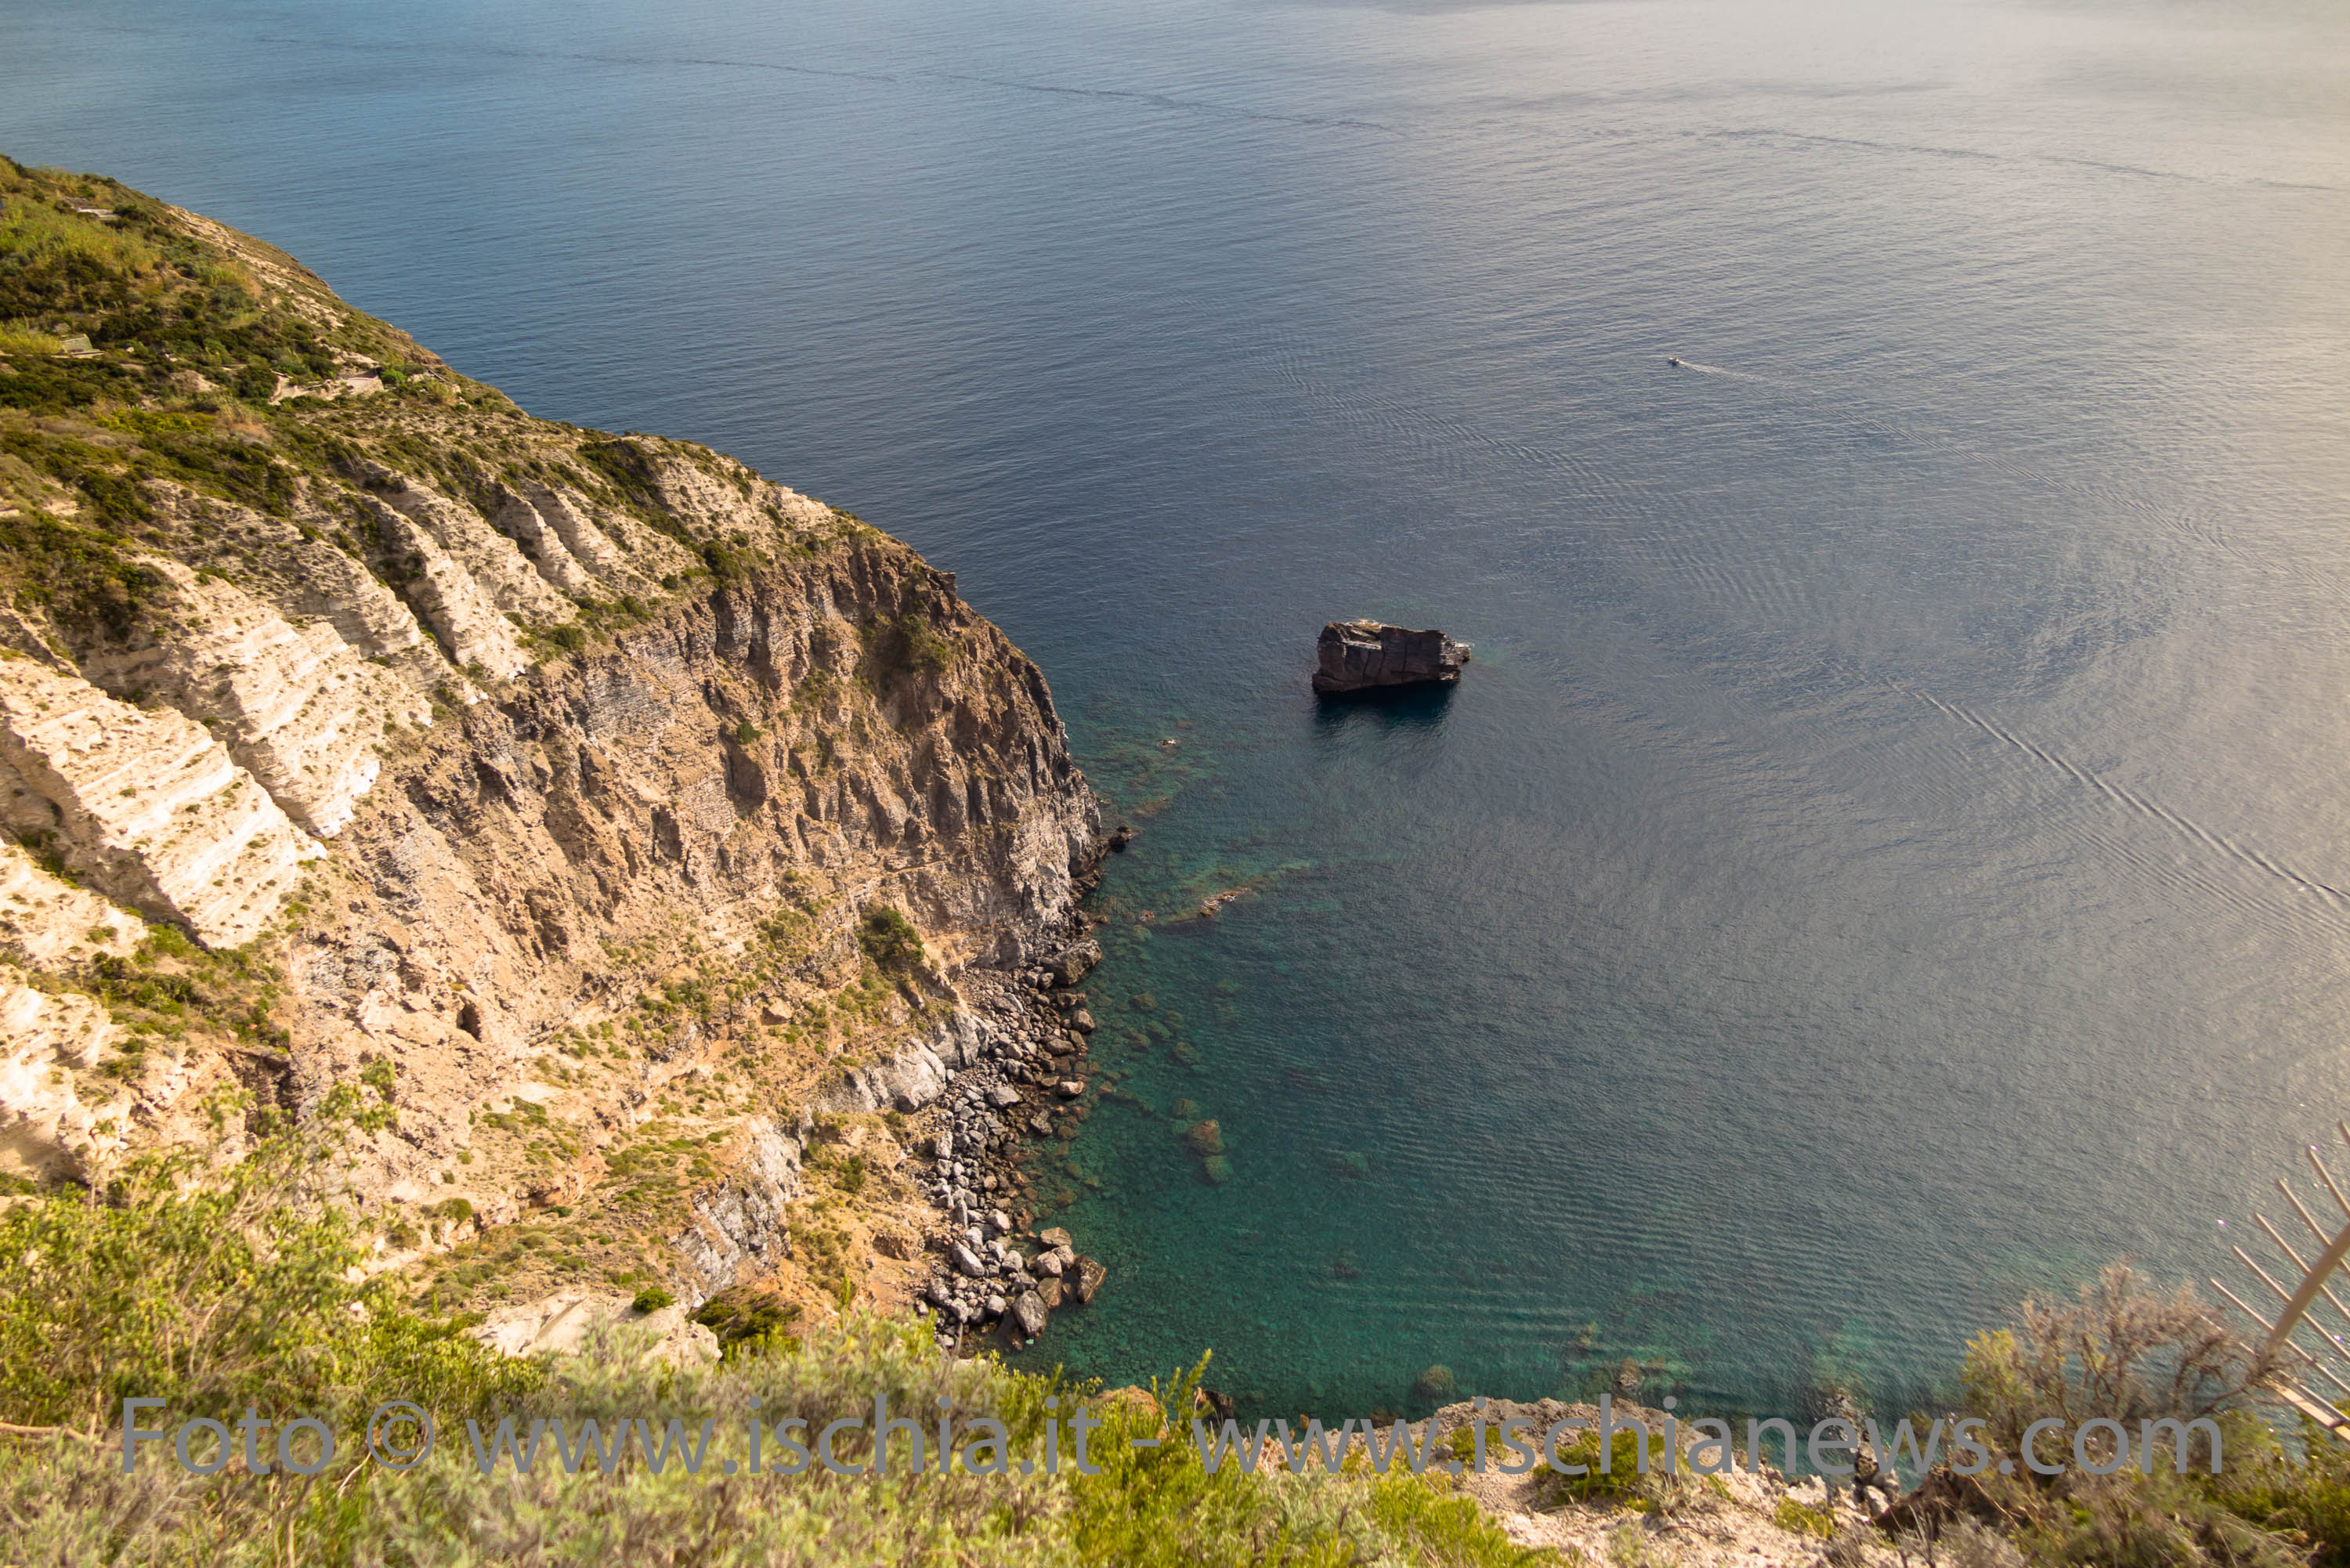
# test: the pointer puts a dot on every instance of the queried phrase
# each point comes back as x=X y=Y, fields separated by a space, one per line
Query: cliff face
x=597 y=805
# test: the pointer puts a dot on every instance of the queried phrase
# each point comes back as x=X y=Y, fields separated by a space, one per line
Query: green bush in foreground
x=215 y=1294
x=240 y=1292
x=1151 y=1506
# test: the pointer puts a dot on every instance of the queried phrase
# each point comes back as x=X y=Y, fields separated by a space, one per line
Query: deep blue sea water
x=1892 y=849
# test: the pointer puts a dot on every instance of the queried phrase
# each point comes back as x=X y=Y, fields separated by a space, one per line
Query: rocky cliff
x=591 y=808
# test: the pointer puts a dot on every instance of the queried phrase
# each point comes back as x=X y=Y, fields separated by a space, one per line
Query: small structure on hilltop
x=1368 y=655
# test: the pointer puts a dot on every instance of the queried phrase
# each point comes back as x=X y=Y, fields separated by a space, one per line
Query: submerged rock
x=1366 y=655
x=1437 y=1383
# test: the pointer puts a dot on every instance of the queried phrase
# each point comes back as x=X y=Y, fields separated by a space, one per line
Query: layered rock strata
x=642 y=838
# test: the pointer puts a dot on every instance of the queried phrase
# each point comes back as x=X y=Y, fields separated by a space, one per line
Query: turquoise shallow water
x=1889 y=851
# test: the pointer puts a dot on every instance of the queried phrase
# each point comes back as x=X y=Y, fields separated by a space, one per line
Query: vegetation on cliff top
x=238 y=1294
x=140 y=344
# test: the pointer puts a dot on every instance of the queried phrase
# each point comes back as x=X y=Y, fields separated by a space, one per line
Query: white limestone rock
x=569 y=514
x=562 y=1323
x=520 y=521
x=145 y=804
x=464 y=620
x=47 y=1129
x=298 y=707
x=496 y=563
x=44 y=921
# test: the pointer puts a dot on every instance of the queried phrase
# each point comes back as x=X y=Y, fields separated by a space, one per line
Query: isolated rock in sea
x=1205 y=1139
x=1090 y=1273
x=1366 y=655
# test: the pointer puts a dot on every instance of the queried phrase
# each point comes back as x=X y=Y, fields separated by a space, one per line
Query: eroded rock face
x=562 y=1323
x=298 y=708
x=738 y=1231
x=47 y=922
x=47 y=1130
x=145 y=804
x=1366 y=655
x=539 y=785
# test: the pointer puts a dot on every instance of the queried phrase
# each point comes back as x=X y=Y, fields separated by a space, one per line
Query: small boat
x=1676 y=364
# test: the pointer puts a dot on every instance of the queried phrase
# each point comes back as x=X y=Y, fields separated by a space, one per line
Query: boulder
x=967 y=1261
x=1082 y=1020
x=1367 y=655
x=1090 y=1273
x=1049 y=1292
x=1002 y=1097
x=1206 y=1139
x=911 y=1077
x=1028 y=1312
x=1058 y=1236
x=1075 y=960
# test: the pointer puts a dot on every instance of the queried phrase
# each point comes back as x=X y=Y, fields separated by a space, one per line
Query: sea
x=1890 y=855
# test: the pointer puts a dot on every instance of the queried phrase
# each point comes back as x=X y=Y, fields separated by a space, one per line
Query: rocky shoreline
x=1019 y=1073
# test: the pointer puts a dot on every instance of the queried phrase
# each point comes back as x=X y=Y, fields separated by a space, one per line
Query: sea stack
x=1368 y=655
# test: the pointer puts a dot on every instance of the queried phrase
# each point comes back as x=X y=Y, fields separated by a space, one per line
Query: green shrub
x=890 y=941
x=2308 y=1494
x=69 y=1503
x=1621 y=1482
x=750 y=1322
x=238 y=1291
x=652 y=1300
x=1805 y=1519
x=2122 y=1351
